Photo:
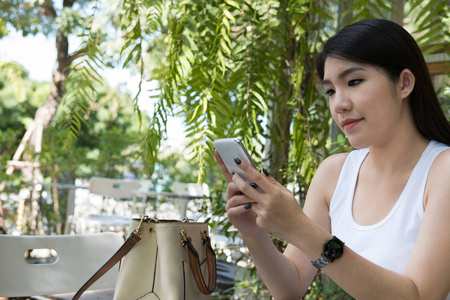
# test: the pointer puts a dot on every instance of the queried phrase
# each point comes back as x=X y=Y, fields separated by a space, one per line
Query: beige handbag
x=164 y=260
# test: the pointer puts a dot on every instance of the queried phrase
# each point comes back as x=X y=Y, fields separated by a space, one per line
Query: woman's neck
x=398 y=155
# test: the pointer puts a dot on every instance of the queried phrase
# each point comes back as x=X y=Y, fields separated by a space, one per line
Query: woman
x=375 y=220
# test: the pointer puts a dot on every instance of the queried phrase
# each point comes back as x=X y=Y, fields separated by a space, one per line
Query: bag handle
x=194 y=261
x=123 y=250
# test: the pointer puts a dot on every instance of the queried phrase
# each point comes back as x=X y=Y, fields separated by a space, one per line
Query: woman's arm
x=428 y=272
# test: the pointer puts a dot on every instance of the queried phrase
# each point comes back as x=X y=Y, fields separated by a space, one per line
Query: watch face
x=333 y=249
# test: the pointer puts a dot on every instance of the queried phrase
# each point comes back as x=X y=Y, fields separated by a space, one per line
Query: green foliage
x=20 y=98
x=109 y=148
x=225 y=70
x=12 y=78
x=42 y=16
x=430 y=23
x=173 y=167
x=26 y=16
x=109 y=136
x=3 y=31
x=324 y=288
x=367 y=9
x=108 y=145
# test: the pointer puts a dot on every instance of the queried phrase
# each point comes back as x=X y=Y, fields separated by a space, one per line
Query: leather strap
x=126 y=247
x=194 y=261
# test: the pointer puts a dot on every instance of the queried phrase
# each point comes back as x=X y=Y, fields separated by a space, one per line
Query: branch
x=48 y=10
x=77 y=54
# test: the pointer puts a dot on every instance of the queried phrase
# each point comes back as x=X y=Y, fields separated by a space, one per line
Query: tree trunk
x=2 y=220
x=280 y=118
x=399 y=10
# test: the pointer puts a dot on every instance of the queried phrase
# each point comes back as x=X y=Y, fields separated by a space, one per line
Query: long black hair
x=389 y=46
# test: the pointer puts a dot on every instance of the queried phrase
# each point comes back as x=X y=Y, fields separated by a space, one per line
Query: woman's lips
x=348 y=124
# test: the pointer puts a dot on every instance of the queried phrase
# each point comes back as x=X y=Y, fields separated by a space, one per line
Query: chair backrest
x=190 y=189
x=114 y=188
x=145 y=185
x=78 y=257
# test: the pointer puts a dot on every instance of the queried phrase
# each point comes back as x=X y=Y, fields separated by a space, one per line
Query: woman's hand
x=240 y=213
x=238 y=205
x=273 y=207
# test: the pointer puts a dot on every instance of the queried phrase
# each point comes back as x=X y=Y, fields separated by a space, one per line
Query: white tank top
x=390 y=242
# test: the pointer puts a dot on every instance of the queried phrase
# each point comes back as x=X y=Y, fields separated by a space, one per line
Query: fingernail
x=237 y=160
x=253 y=185
x=266 y=172
x=248 y=206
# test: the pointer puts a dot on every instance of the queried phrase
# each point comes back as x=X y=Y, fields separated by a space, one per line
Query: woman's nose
x=341 y=102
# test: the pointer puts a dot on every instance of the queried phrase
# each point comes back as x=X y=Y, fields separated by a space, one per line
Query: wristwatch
x=332 y=249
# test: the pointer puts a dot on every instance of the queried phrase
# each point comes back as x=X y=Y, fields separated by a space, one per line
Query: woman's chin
x=357 y=144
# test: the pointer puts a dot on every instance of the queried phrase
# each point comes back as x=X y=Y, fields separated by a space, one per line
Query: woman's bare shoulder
x=334 y=162
x=437 y=182
x=443 y=159
x=327 y=175
x=440 y=166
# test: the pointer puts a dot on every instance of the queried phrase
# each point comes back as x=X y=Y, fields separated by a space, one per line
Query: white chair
x=70 y=260
x=145 y=186
x=105 y=209
x=190 y=191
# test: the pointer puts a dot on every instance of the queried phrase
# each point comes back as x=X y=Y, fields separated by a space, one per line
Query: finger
x=232 y=190
x=248 y=169
x=241 y=209
x=270 y=178
x=239 y=201
x=247 y=188
x=262 y=179
x=222 y=166
x=235 y=196
x=259 y=181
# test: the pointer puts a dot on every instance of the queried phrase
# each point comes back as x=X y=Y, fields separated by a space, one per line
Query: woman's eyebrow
x=344 y=73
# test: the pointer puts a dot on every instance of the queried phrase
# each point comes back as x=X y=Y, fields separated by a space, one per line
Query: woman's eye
x=354 y=82
x=329 y=92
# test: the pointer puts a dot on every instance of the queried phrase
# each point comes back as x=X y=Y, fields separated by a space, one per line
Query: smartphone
x=229 y=149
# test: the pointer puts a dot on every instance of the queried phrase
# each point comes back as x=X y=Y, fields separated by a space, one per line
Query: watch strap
x=321 y=262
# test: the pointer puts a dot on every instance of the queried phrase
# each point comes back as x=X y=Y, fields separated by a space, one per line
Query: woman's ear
x=406 y=82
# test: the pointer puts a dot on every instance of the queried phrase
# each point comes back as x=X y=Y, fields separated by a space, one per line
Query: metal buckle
x=142 y=223
x=185 y=239
x=205 y=236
